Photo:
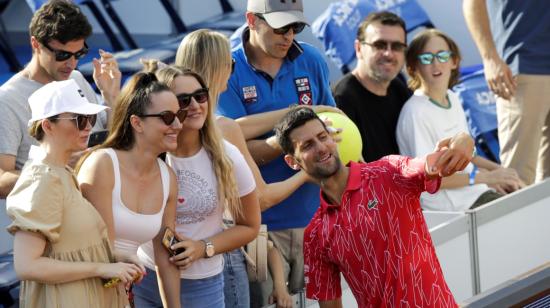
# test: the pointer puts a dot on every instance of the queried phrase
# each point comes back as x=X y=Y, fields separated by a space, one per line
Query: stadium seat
x=337 y=26
x=480 y=108
x=229 y=19
x=8 y=280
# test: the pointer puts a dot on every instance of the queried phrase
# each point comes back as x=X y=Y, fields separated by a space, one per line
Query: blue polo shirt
x=521 y=30
x=302 y=79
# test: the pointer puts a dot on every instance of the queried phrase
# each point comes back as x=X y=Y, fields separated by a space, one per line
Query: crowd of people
x=222 y=141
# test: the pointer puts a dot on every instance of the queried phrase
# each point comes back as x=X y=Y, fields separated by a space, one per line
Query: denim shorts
x=194 y=293
x=235 y=280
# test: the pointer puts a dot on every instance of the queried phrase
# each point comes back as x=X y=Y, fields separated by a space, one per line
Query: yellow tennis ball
x=349 y=149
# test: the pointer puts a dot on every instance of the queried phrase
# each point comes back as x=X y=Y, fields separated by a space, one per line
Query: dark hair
x=415 y=48
x=59 y=20
x=295 y=118
x=384 y=17
x=133 y=99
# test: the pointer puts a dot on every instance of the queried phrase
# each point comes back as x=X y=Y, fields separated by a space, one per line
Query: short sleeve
x=322 y=278
x=36 y=203
x=415 y=133
x=243 y=174
x=11 y=135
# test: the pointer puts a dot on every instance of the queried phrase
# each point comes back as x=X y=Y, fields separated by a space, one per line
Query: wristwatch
x=209 y=248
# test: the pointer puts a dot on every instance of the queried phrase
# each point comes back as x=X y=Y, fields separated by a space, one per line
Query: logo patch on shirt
x=304 y=91
x=372 y=204
x=249 y=94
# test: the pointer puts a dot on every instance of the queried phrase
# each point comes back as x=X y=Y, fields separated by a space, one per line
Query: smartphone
x=97 y=138
x=169 y=239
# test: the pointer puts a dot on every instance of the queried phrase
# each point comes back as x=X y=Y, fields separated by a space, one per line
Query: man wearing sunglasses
x=58 y=33
x=371 y=95
x=273 y=71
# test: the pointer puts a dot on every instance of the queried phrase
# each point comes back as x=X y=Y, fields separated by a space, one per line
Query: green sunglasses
x=428 y=57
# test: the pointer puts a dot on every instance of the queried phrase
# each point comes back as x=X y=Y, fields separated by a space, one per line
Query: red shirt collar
x=353 y=183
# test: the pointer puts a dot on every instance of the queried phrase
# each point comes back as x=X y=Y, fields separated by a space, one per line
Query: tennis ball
x=349 y=149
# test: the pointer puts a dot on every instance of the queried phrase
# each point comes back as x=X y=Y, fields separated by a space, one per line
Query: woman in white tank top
x=134 y=191
x=212 y=176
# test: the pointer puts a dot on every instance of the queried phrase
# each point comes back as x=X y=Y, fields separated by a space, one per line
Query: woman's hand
x=126 y=272
x=133 y=259
x=280 y=297
x=193 y=251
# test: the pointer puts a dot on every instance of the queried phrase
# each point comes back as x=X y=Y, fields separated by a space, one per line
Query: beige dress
x=46 y=199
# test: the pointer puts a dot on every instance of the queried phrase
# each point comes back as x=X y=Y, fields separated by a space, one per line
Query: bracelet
x=472 y=180
x=474 y=152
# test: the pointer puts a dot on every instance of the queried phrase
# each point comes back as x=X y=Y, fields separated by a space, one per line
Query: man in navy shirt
x=272 y=72
x=517 y=69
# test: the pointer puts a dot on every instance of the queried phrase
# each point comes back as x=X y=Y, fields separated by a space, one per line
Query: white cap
x=58 y=97
x=278 y=13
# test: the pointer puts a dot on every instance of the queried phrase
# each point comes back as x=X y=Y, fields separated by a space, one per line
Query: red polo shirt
x=378 y=239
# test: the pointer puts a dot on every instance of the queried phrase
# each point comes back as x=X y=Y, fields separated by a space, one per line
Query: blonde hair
x=212 y=142
x=208 y=53
x=36 y=131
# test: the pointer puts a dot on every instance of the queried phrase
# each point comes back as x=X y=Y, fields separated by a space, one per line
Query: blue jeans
x=235 y=280
x=194 y=293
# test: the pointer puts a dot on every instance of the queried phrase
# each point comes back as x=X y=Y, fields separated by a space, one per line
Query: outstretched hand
x=457 y=153
x=107 y=76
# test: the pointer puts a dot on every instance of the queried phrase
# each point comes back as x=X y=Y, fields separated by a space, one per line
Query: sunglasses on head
x=62 y=55
x=296 y=27
x=81 y=120
x=382 y=45
x=168 y=117
x=428 y=57
x=200 y=96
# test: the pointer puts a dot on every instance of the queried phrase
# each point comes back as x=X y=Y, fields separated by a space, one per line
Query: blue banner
x=337 y=26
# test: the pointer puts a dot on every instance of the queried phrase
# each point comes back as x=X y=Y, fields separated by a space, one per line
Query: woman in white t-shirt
x=212 y=177
x=134 y=191
x=433 y=113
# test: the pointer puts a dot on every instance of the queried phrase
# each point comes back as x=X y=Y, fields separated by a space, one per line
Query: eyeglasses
x=62 y=55
x=81 y=120
x=232 y=65
x=382 y=45
x=428 y=57
x=168 y=117
x=296 y=27
x=200 y=96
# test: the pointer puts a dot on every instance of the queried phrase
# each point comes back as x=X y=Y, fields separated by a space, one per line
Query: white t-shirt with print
x=199 y=212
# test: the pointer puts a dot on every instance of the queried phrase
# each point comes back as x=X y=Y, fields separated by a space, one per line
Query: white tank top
x=133 y=229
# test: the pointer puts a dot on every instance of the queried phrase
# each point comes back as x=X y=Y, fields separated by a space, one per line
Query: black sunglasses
x=382 y=45
x=62 y=55
x=168 y=117
x=200 y=96
x=296 y=27
x=232 y=65
x=81 y=120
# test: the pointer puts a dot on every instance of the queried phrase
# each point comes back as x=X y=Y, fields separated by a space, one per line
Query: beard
x=379 y=74
x=322 y=173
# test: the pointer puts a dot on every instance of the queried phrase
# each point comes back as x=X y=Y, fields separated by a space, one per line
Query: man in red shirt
x=370 y=226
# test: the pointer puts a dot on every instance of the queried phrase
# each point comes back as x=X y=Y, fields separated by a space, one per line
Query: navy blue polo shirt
x=521 y=30
x=302 y=79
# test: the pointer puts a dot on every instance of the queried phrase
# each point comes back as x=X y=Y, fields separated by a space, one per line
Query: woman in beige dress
x=61 y=246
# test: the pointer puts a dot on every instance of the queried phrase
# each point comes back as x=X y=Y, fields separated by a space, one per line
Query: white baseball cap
x=278 y=13
x=58 y=97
